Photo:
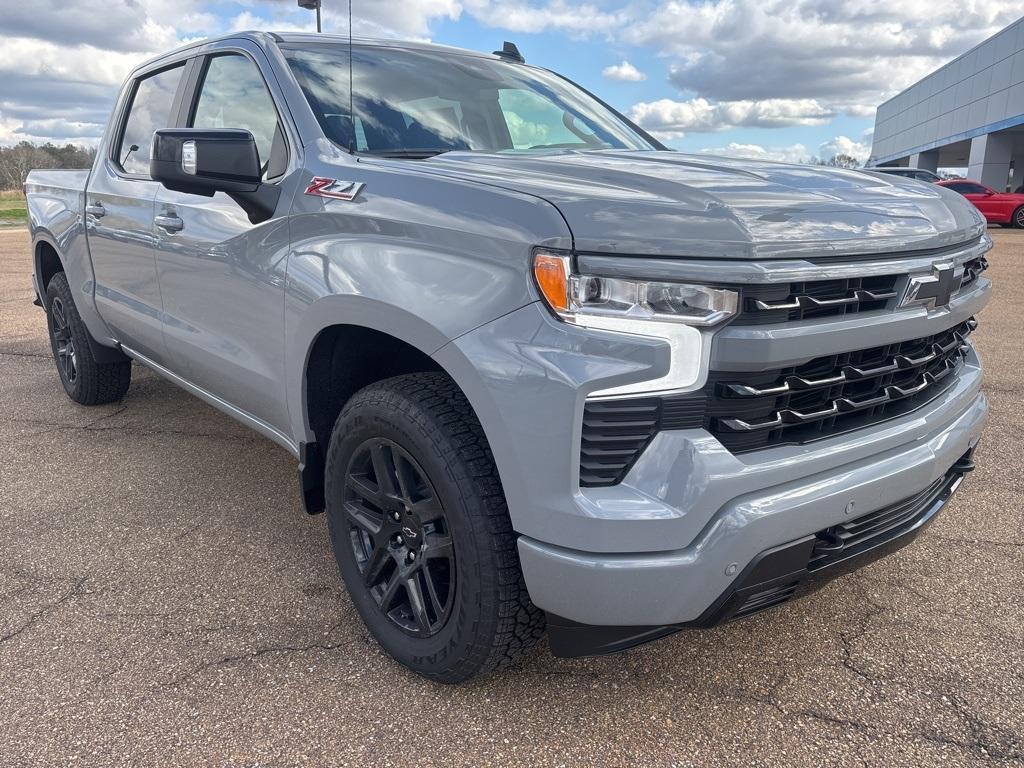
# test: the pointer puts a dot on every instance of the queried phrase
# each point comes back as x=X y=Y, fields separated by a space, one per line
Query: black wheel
x=1018 y=218
x=421 y=532
x=86 y=380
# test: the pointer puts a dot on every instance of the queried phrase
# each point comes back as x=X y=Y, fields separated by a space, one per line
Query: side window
x=966 y=188
x=150 y=110
x=234 y=95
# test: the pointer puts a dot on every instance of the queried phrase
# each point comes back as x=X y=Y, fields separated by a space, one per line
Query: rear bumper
x=782 y=573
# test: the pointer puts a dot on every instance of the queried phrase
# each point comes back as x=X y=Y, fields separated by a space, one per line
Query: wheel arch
x=347 y=343
x=46 y=261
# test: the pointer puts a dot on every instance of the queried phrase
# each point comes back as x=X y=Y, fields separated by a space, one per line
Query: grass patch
x=12 y=206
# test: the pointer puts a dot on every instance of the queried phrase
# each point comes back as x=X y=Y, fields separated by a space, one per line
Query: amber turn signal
x=552 y=276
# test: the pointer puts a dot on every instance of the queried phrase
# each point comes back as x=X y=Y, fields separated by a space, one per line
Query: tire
x=1017 y=220
x=86 y=381
x=409 y=470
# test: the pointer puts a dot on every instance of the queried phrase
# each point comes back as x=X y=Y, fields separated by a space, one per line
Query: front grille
x=750 y=411
x=834 y=394
x=793 y=302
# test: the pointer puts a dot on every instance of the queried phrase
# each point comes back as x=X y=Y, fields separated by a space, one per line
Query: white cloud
x=851 y=53
x=841 y=145
x=673 y=119
x=624 y=71
x=577 y=19
x=796 y=153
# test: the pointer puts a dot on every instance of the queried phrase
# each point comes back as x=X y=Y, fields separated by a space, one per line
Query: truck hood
x=672 y=204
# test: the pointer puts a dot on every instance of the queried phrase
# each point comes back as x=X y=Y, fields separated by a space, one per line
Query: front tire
x=1017 y=220
x=421 y=531
x=85 y=380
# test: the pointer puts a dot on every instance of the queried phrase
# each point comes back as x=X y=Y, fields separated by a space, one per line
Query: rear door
x=119 y=213
x=221 y=277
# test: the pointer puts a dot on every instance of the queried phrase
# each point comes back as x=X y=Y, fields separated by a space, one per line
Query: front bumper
x=782 y=573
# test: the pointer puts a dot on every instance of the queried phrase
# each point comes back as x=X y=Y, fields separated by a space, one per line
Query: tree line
x=16 y=161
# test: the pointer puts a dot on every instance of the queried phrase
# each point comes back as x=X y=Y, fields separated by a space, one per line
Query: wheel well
x=48 y=264
x=346 y=358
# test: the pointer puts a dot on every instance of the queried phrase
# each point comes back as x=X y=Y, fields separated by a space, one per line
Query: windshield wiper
x=406 y=154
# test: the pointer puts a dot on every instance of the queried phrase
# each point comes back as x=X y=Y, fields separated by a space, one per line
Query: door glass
x=150 y=111
x=534 y=121
x=234 y=96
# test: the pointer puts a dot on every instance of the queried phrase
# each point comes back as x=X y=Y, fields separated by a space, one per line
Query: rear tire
x=421 y=531
x=86 y=381
x=1017 y=220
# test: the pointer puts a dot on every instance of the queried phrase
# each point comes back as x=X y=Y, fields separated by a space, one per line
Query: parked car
x=910 y=173
x=997 y=207
x=537 y=369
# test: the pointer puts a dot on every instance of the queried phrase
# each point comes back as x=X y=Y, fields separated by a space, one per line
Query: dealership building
x=968 y=114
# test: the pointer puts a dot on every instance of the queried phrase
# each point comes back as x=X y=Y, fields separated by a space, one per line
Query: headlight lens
x=574 y=297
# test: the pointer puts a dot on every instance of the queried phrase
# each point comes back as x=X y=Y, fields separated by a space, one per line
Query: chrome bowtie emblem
x=934 y=290
x=409 y=532
x=321 y=186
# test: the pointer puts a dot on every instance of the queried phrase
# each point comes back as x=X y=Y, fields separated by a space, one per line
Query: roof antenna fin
x=510 y=51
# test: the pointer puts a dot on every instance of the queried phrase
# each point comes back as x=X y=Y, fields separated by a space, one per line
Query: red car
x=997 y=207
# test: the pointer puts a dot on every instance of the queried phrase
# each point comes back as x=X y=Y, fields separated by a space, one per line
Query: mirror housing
x=204 y=161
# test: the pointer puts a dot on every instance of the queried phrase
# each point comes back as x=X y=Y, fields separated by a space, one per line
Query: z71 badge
x=334 y=189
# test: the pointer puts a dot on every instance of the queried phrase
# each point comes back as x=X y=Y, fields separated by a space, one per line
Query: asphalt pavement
x=165 y=601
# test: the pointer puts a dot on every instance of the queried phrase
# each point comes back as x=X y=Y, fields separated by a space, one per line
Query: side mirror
x=203 y=161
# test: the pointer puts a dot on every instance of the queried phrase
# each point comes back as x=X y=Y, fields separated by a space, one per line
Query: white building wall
x=979 y=92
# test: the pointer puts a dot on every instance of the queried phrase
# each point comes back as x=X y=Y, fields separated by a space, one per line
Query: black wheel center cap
x=411 y=532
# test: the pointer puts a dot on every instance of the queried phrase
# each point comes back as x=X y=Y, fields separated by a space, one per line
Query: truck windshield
x=418 y=103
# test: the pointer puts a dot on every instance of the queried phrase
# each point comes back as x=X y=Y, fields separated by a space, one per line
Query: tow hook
x=828 y=541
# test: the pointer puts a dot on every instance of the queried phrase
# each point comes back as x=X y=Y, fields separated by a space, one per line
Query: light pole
x=311 y=5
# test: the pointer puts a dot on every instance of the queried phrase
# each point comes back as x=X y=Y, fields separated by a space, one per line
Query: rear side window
x=150 y=111
x=234 y=96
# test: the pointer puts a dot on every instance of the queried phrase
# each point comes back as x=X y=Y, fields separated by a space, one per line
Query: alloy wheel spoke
x=403 y=476
x=363 y=518
x=387 y=597
x=376 y=564
x=365 y=489
x=417 y=602
x=427 y=510
x=435 y=599
x=58 y=315
x=437 y=545
x=384 y=469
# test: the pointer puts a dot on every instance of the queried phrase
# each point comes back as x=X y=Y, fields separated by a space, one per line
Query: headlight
x=577 y=298
x=677 y=313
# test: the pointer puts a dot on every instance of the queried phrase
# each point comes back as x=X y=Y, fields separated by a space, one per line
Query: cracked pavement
x=165 y=601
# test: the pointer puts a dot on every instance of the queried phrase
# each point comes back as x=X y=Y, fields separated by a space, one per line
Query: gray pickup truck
x=539 y=371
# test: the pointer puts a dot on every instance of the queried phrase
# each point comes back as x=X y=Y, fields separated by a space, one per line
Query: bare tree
x=17 y=161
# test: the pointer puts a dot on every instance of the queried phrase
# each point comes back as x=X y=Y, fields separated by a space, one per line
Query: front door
x=119 y=217
x=221 y=277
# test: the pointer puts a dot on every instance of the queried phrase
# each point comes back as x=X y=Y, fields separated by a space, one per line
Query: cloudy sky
x=783 y=79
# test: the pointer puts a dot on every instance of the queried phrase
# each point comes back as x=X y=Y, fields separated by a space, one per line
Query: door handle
x=96 y=209
x=169 y=222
